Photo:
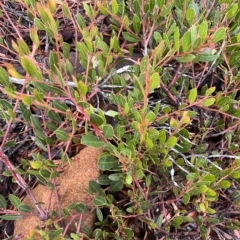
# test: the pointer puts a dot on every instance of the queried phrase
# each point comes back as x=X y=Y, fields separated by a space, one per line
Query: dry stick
x=171 y=97
x=73 y=84
x=9 y=19
x=69 y=223
x=210 y=9
x=21 y=182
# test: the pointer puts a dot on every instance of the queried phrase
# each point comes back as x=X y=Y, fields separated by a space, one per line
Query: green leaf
x=128 y=179
x=192 y=95
x=205 y=57
x=203 y=30
x=223 y=101
x=61 y=134
x=190 y=15
x=166 y=9
x=92 y=141
x=157 y=37
x=154 y=81
x=153 y=134
x=51 y=126
x=10 y=217
x=30 y=67
x=9 y=144
x=99 y=201
x=235 y=175
x=148 y=142
x=225 y=184
x=106 y=162
x=159 y=220
x=34 y=37
x=72 y=206
x=196 y=43
x=83 y=51
x=54 y=116
x=201 y=148
x=38 y=95
x=144 y=63
x=136 y=24
x=177 y=221
x=82 y=88
x=104 y=180
x=202 y=188
x=114 y=7
x=57 y=234
x=39 y=24
x=108 y=131
x=60 y=105
x=167 y=41
x=210 y=90
x=22 y=47
x=162 y=137
x=4 y=78
x=94 y=186
x=219 y=35
x=192 y=177
x=104 y=10
x=160 y=3
x=114 y=177
x=96 y=119
x=176 y=39
x=210 y=211
x=210 y=192
x=88 y=9
x=26 y=100
x=213 y=220
x=66 y=11
x=3 y=202
x=99 y=215
x=5 y=104
x=130 y=37
x=139 y=172
x=46 y=88
x=186 y=198
x=98 y=233
x=81 y=208
x=80 y=20
x=232 y=11
x=40 y=144
x=186 y=58
x=15 y=201
x=203 y=230
x=208 y=178
x=53 y=61
x=208 y=102
x=171 y=142
x=145 y=205
x=116 y=186
x=45 y=173
x=150 y=117
x=54 y=174
x=186 y=41
x=101 y=45
x=24 y=208
x=35 y=164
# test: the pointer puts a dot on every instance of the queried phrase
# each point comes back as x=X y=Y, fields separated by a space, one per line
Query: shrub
x=156 y=86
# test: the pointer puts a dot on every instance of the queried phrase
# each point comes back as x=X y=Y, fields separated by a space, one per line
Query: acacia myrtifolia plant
x=154 y=159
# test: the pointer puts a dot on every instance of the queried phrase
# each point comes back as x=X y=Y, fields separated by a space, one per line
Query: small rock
x=71 y=187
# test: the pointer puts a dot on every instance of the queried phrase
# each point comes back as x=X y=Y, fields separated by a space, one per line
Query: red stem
x=21 y=182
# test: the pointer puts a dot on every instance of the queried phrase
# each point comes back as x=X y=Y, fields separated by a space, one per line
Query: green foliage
x=152 y=143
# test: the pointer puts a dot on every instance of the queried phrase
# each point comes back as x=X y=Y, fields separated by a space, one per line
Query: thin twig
x=21 y=182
